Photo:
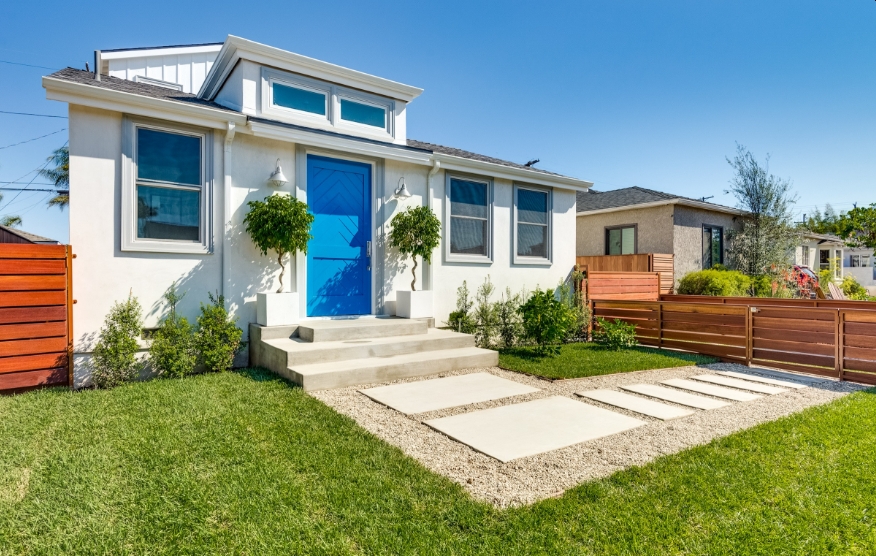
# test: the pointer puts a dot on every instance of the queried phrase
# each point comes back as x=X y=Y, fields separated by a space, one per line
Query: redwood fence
x=836 y=341
x=642 y=262
x=36 y=325
x=622 y=285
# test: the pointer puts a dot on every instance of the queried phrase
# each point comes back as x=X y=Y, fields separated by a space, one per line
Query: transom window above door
x=469 y=215
x=621 y=240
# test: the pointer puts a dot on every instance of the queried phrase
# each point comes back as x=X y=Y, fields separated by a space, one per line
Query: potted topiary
x=415 y=232
x=279 y=223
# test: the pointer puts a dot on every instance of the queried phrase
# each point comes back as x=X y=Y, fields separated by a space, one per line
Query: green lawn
x=244 y=463
x=589 y=359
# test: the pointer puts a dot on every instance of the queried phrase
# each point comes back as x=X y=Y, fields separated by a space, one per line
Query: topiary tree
x=279 y=223
x=415 y=232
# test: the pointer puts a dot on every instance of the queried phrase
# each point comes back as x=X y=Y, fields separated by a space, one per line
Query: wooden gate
x=36 y=321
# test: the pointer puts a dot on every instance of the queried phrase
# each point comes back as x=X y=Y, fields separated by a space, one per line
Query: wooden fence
x=36 y=325
x=622 y=285
x=829 y=341
x=643 y=262
x=773 y=302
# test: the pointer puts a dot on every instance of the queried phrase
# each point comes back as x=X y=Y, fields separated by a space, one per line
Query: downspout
x=226 y=205
x=427 y=268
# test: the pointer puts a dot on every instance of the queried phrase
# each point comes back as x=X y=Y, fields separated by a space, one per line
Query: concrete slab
x=674 y=396
x=441 y=393
x=805 y=379
x=741 y=384
x=708 y=389
x=762 y=379
x=526 y=429
x=637 y=404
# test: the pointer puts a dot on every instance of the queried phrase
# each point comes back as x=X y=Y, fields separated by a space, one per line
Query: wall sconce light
x=277 y=179
x=401 y=192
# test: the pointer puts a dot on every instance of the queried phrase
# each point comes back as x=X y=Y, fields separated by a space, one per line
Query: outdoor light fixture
x=277 y=179
x=401 y=192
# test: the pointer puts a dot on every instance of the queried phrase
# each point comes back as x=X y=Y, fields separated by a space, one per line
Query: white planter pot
x=277 y=309
x=413 y=305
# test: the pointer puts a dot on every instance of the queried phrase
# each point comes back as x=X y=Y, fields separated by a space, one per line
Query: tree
x=415 y=232
x=10 y=220
x=767 y=235
x=281 y=224
x=858 y=227
x=59 y=175
x=823 y=223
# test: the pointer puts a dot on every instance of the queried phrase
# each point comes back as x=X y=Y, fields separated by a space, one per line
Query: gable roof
x=33 y=238
x=593 y=202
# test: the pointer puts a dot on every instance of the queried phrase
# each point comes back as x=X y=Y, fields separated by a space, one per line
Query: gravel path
x=534 y=478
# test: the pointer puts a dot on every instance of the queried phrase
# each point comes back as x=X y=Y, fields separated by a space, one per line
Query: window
x=469 y=215
x=824 y=259
x=298 y=98
x=859 y=261
x=621 y=240
x=532 y=232
x=165 y=193
x=713 y=246
x=805 y=255
x=361 y=113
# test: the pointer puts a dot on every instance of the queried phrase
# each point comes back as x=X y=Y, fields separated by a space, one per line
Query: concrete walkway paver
x=763 y=379
x=741 y=384
x=675 y=396
x=635 y=403
x=709 y=390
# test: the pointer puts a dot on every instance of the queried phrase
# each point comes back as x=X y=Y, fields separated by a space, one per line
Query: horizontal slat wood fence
x=772 y=302
x=642 y=262
x=35 y=316
x=828 y=341
x=622 y=285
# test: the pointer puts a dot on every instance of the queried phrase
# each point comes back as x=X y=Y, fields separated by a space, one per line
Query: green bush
x=510 y=327
x=722 y=283
x=173 y=352
x=855 y=291
x=461 y=319
x=614 y=335
x=114 y=358
x=572 y=296
x=485 y=317
x=546 y=321
x=218 y=337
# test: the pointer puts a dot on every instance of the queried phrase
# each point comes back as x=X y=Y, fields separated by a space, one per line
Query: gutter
x=427 y=268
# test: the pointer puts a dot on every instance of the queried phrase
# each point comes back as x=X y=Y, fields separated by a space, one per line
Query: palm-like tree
x=59 y=176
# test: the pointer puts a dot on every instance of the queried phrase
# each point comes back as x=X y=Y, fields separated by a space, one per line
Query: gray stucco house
x=638 y=220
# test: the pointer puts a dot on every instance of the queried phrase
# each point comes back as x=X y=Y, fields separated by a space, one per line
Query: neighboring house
x=821 y=252
x=12 y=235
x=167 y=146
x=639 y=220
x=859 y=262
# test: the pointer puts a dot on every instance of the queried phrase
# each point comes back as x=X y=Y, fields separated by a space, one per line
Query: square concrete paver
x=710 y=390
x=442 y=393
x=762 y=379
x=741 y=384
x=675 y=396
x=526 y=429
x=637 y=404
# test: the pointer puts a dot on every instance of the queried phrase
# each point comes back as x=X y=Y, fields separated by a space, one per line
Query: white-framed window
x=859 y=261
x=532 y=225
x=166 y=189
x=469 y=217
x=294 y=96
x=363 y=112
x=805 y=253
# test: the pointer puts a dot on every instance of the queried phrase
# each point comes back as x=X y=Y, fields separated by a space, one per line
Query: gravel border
x=528 y=480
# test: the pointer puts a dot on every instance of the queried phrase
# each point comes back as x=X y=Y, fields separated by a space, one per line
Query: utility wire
x=43 y=167
x=28 y=65
x=34 y=139
x=29 y=114
x=22 y=182
x=59 y=191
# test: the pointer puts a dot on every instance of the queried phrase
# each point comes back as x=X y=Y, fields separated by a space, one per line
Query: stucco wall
x=654 y=230
x=688 y=234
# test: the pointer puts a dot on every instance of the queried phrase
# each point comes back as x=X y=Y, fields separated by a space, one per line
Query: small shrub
x=855 y=291
x=546 y=321
x=572 y=296
x=218 y=337
x=614 y=335
x=723 y=283
x=461 y=319
x=510 y=327
x=485 y=317
x=114 y=359
x=173 y=352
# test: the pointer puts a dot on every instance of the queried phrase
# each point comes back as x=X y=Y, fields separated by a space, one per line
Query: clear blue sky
x=622 y=93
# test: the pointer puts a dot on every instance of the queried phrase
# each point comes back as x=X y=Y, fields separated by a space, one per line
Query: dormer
x=270 y=83
x=182 y=68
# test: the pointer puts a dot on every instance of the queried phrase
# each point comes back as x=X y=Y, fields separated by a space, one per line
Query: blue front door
x=338 y=265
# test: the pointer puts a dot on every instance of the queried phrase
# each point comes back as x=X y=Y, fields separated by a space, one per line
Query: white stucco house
x=821 y=252
x=167 y=146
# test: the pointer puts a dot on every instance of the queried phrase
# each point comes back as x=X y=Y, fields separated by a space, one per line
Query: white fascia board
x=126 y=54
x=460 y=164
x=108 y=99
x=237 y=48
x=280 y=133
x=683 y=202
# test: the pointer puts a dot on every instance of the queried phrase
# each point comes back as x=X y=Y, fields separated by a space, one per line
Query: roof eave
x=684 y=202
x=460 y=164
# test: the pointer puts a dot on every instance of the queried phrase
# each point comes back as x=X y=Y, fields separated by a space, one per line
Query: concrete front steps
x=322 y=354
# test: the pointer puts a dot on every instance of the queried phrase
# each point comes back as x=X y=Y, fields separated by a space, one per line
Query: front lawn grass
x=242 y=463
x=588 y=359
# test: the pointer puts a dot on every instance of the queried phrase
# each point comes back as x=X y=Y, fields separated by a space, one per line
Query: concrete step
x=357 y=329
x=299 y=352
x=353 y=372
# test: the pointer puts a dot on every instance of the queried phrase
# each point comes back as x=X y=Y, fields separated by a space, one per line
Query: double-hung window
x=532 y=225
x=805 y=253
x=620 y=240
x=166 y=193
x=713 y=246
x=469 y=214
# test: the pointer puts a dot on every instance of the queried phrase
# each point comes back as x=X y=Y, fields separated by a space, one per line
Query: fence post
x=839 y=339
x=659 y=324
x=749 y=335
x=69 y=268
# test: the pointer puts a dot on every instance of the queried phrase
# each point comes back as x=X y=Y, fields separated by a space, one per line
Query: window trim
x=129 y=239
x=804 y=256
x=462 y=257
x=341 y=93
x=524 y=259
x=702 y=234
x=635 y=228
x=298 y=82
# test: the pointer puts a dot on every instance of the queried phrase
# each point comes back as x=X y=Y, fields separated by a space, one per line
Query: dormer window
x=361 y=113
x=299 y=98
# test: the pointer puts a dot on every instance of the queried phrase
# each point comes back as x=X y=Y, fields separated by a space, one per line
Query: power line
x=22 y=182
x=58 y=191
x=29 y=114
x=34 y=139
x=40 y=169
x=28 y=65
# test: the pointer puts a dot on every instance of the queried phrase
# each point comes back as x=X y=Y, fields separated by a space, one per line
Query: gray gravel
x=527 y=480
